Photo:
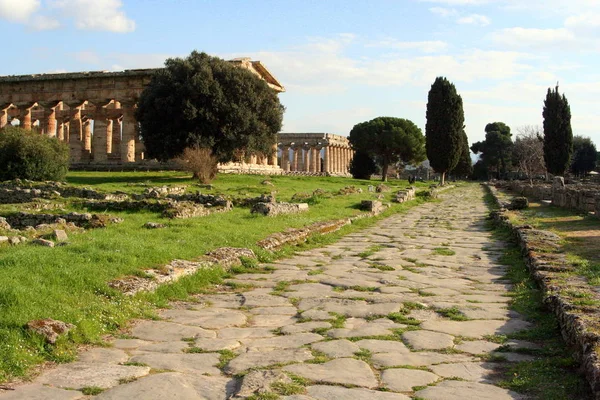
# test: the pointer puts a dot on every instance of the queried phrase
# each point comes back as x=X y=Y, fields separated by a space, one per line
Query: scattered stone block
x=4 y=239
x=43 y=242
x=382 y=188
x=273 y=209
x=4 y=224
x=60 y=235
x=49 y=328
x=154 y=225
x=374 y=206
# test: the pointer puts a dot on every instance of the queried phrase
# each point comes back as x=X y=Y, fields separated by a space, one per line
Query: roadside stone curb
x=579 y=324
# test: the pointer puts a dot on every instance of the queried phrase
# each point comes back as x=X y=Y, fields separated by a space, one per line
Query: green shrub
x=29 y=155
x=362 y=166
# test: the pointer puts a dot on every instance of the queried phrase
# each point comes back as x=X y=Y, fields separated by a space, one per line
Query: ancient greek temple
x=94 y=112
x=315 y=153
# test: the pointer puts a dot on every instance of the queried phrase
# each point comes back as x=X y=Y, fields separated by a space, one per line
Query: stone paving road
x=318 y=324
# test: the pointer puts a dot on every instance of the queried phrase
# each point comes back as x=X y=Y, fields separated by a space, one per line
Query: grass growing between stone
x=554 y=375
x=580 y=235
x=69 y=283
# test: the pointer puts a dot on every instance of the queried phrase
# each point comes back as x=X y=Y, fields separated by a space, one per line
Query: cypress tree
x=558 y=136
x=445 y=123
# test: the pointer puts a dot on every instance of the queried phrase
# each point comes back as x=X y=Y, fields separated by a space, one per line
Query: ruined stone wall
x=584 y=198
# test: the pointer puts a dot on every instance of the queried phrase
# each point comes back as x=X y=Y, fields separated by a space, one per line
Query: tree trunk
x=384 y=172
x=443 y=179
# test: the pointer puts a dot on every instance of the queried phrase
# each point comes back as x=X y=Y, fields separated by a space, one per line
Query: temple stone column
x=273 y=158
x=49 y=122
x=100 y=139
x=129 y=132
x=306 y=162
x=296 y=151
x=86 y=127
x=116 y=137
x=285 y=158
x=253 y=159
x=314 y=159
x=326 y=159
x=25 y=114
x=60 y=129
x=4 y=115
x=265 y=160
x=75 y=131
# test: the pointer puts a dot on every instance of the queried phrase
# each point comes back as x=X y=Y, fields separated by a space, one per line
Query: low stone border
x=176 y=269
x=300 y=235
x=579 y=324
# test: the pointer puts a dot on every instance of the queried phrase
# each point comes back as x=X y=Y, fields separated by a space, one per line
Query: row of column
x=260 y=159
x=316 y=159
x=108 y=133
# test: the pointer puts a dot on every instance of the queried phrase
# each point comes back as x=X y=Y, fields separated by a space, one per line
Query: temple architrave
x=94 y=112
x=315 y=153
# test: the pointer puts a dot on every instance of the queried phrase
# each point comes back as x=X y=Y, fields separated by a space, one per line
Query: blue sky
x=342 y=62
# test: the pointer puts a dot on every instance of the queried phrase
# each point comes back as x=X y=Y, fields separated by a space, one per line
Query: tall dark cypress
x=445 y=122
x=558 y=136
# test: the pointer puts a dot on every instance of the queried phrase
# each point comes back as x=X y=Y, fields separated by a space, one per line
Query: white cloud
x=98 y=15
x=43 y=23
x=18 y=10
x=474 y=19
x=532 y=37
x=585 y=24
x=432 y=46
x=444 y=12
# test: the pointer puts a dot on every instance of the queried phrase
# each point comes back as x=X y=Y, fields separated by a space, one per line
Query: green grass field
x=69 y=283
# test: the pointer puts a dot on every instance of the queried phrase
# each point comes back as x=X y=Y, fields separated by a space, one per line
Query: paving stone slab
x=337 y=348
x=164 y=347
x=344 y=371
x=264 y=300
x=260 y=382
x=172 y=386
x=305 y=327
x=427 y=340
x=36 y=391
x=317 y=315
x=382 y=346
x=78 y=375
x=103 y=355
x=477 y=328
x=254 y=359
x=418 y=359
x=477 y=346
x=403 y=380
x=128 y=344
x=242 y=333
x=217 y=344
x=289 y=310
x=273 y=321
x=208 y=318
x=282 y=342
x=196 y=363
x=223 y=300
x=473 y=371
x=161 y=331
x=460 y=390
x=323 y=392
